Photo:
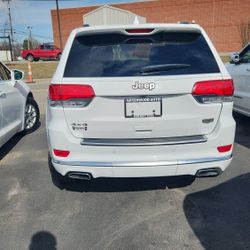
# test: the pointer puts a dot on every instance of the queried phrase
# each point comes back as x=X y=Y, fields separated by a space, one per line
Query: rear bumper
x=142 y=169
x=139 y=160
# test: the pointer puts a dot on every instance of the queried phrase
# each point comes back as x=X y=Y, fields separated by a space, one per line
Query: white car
x=140 y=101
x=239 y=69
x=19 y=111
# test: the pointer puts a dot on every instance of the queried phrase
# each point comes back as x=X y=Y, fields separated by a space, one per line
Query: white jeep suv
x=140 y=101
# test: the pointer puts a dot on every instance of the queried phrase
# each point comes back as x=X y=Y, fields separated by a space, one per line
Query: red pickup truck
x=44 y=51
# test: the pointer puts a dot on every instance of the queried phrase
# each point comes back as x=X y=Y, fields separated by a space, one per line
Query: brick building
x=221 y=19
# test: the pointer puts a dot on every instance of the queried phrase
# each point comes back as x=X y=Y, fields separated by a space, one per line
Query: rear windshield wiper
x=162 y=67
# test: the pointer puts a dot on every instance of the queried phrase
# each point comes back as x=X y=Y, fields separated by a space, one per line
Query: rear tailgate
x=105 y=116
x=142 y=84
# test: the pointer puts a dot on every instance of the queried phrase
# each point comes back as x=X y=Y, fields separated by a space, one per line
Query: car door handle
x=248 y=69
x=2 y=95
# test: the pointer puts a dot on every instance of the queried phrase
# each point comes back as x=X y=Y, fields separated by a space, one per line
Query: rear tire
x=59 y=57
x=30 y=58
x=31 y=116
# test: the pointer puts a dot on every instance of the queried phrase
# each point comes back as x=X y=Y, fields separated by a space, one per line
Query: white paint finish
x=175 y=93
x=241 y=76
x=61 y=138
x=13 y=97
x=11 y=110
x=156 y=171
x=182 y=116
x=97 y=172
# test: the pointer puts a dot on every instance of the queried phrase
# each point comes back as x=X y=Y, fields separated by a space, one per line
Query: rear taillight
x=213 y=91
x=70 y=95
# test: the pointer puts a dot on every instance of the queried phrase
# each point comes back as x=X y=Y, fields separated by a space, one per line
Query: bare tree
x=4 y=45
x=244 y=29
x=33 y=43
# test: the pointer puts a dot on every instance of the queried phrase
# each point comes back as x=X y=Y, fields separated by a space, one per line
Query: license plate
x=141 y=107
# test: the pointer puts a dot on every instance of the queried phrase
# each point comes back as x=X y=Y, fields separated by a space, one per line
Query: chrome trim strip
x=140 y=164
x=143 y=141
x=204 y=160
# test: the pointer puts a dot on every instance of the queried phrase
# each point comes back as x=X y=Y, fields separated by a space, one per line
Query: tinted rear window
x=163 y=53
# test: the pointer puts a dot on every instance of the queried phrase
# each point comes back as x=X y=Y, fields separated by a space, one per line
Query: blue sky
x=36 y=13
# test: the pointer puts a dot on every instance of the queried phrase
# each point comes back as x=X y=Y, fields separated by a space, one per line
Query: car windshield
x=48 y=46
x=163 y=53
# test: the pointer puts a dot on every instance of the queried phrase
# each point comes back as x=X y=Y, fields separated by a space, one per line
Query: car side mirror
x=235 y=58
x=17 y=75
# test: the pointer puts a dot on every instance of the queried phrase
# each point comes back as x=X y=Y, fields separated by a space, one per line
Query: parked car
x=140 y=101
x=19 y=111
x=239 y=69
x=44 y=51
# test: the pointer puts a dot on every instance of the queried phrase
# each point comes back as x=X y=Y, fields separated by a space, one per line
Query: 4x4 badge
x=147 y=85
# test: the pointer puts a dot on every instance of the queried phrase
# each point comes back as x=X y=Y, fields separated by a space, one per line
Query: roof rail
x=136 y=20
x=187 y=22
x=183 y=22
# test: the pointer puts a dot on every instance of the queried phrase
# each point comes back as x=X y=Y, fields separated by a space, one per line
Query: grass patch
x=40 y=70
x=225 y=59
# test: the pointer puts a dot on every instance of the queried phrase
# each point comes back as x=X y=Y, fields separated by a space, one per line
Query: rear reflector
x=139 y=31
x=223 y=149
x=61 y=153
x=63 y=92
x=214 y=87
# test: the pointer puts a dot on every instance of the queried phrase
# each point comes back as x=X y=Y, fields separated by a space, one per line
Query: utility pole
x=29 y=38
x=11 y=49
x=11 y=26
x=59 y=24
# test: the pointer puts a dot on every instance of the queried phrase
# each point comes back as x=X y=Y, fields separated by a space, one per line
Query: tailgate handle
x=143 y=130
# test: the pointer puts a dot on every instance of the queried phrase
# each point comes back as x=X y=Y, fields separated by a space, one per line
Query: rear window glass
x=163 y=53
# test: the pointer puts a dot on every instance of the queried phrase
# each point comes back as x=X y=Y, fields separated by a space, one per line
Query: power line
x=34 y=34
x=21 y=32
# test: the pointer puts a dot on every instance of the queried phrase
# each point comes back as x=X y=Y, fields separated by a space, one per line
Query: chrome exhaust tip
x=80 y=176
x=208 y=172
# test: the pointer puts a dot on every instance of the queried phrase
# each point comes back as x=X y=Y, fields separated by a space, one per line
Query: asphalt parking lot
x=156 y=213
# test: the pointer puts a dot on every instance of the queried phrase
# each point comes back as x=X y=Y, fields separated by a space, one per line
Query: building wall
x=108 y=15
x=220 y=18
x=5 y=55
